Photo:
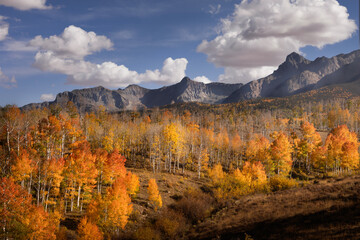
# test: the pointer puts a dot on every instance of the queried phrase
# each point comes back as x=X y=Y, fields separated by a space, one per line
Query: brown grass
x=328 y=209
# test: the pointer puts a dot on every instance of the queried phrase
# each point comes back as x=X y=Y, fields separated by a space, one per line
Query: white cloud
x=202 y=79
x=4 y=28
x=17 y=46
x=261 y=33
x=25 y=4
x=47 y=97
x=214 y=9
x=109 y=74
x=65 y=55
x=74 y=43
x=234 y=75
x=7 y=82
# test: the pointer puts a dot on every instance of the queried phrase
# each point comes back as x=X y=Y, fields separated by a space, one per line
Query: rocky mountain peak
x=294 y=62
x=186 y=81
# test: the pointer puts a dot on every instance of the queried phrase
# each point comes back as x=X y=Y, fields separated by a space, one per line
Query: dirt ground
x=326 y=209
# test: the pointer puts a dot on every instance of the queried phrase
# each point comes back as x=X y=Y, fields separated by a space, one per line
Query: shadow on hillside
x=342 y=223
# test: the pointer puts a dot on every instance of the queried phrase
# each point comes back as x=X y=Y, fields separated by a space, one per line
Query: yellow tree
x=155 y=152
x=280 y=151
x=237 y=148
x=255 y=173
x=80 y=174
x=309 y=142
x=88 y=230
x=342 y=149
x=132 y=183
x=117 y=206
x=172 y=143
x=22 y=167
x=216 y=174
x=203 y=161
x=154 y=195
x=257 y=149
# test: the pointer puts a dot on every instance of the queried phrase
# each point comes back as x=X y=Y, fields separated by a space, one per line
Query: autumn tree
x=22 y=168
x=80 y=174
x=258 y=149
x=14 y=208
x=254 y=173
x=173 y=143
x=88 y=230
x=154 y=195
x=280 y=150
x=307 y=144
x=342 y=149
x=117 y=207
x=216 y=174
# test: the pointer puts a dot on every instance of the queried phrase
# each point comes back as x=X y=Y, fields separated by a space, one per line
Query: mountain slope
x=136 y=97
x=298 y=74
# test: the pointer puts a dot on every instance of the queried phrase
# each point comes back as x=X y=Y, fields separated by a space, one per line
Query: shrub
x=171 y=223
x=146 y=233
x=278 y=183
x=195 y=205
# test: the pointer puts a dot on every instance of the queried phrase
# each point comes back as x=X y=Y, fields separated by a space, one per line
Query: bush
x=195 y=205
x=171 y=223
x=278 y=183
x=146 y=233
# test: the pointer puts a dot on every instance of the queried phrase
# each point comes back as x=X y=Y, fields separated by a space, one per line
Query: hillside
x=136 y=97
x=328 y=209
x=298 y=75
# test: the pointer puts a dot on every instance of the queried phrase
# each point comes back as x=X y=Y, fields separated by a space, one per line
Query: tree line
x=56 y=161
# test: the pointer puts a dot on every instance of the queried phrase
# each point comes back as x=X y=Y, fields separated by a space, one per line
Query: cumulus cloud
x=202 y=79
x=232 y=75
x=25 y=4
x=74 y=43
x=4 y=28
x=7 y=82
x=65 y=54
x=261 y=33
x=80 y=72
x=47 y=97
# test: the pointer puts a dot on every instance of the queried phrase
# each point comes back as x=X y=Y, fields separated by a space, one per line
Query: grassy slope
x=328 y=209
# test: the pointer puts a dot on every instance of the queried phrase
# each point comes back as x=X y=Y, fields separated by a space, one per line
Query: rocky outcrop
x=297 y=75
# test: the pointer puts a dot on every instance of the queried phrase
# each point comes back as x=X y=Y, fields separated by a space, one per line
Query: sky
x=51 y=46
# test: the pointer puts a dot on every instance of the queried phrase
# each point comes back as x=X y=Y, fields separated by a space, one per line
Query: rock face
x=298 y=74
x=136 y=97
x=189 y=91
x=295 y=75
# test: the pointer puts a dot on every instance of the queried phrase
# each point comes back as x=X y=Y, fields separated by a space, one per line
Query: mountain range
x=296 y=75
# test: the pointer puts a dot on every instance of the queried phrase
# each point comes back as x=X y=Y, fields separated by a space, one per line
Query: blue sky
x=152 y=43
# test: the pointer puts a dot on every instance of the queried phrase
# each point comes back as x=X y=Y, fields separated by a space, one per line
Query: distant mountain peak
x=295 y=58
x=293 y=62
x=295 y=75
x=186 y=80
x=134 y=86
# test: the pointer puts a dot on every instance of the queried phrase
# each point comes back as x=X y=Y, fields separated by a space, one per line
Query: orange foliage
x=280 y=151
x=132 y=183
x=88 y=230
x=154 y=195
x=342 y=148
x=118 y=205
x=216 y=174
